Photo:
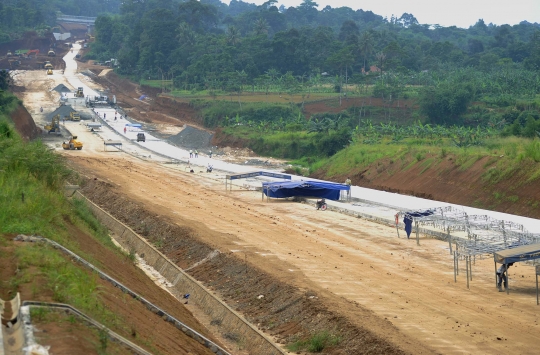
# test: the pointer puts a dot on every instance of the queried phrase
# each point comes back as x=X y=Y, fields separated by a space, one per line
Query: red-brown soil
x=135 y=321
x=158 y=110
x=398 y=111
x=24 y=124
x=68 y=335
x=446 y=181
x=31 y=41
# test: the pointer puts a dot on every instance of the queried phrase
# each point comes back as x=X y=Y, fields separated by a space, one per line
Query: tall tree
x=367 y=45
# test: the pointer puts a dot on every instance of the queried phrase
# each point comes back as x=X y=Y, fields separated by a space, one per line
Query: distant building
x=372 y=69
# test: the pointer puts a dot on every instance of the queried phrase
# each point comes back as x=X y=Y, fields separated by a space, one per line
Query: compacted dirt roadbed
x=317 y=271
x=326 y=270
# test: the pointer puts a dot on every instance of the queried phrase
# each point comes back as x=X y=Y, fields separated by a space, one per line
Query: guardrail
x=151 y=307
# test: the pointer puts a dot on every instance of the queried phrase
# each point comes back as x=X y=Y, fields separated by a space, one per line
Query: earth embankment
x=490 y=183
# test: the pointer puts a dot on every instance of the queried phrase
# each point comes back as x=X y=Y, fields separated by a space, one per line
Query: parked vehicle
x=141 y=137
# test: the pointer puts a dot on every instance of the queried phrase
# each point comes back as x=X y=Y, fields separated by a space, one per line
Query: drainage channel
x=150 y=306
x=253 y=340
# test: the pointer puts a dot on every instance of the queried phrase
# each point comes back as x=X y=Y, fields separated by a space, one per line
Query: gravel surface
x=192 y=138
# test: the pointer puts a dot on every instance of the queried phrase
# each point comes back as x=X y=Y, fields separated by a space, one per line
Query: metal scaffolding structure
x=472 y=235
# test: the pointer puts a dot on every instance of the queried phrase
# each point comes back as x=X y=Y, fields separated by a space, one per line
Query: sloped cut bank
x=285 y=312
x=182 y=283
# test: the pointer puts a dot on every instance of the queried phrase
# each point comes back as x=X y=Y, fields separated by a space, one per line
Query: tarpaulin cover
x=521 y=253
x=138 y=125
x=320 y=189
x=408 y=219
x=423 y=213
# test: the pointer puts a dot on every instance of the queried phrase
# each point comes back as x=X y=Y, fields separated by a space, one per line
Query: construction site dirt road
x=327 y=271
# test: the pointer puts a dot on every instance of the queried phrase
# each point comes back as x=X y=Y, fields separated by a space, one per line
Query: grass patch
x=426 y=165
x=513 y=198
x=316 y=343
x=469 y=162
x=66 y=282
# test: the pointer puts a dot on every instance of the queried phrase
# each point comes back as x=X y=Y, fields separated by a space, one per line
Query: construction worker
x=348 y=182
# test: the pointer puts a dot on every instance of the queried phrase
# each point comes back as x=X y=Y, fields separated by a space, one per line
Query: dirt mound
x=192 y=138
x=24 y=123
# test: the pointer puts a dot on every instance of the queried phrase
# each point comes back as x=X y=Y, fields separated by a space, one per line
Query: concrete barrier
x=251 y=339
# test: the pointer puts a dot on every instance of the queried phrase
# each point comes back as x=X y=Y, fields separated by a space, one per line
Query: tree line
x=201 y=43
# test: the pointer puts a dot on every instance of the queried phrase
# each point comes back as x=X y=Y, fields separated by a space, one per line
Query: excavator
x=54 y=126
x=72 y=144
x=35 y=52
x=48 y=65
x=51 y=53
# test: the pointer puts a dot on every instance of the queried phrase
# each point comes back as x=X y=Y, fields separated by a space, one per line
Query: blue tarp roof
x=521 y=253
x=134 y=125
x=282 y=189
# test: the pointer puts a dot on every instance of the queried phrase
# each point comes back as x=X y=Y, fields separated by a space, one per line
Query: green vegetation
x=316 y=343
x=250 y=70
x=31 y=190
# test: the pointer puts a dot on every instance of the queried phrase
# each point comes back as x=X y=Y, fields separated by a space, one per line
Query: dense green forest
x=17 y=16
x=207 y=43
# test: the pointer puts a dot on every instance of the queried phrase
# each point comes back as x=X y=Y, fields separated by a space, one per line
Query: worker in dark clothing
x=502 y=276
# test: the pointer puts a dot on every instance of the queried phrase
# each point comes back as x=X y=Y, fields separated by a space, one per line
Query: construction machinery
x=49 y=72
x=35 y=52
x=51 y=53
x=72 y=144
x=13 y=63
x=54 y=126
x=74 y=116
x=48 y=65
x=80 y=92
x=9 y=54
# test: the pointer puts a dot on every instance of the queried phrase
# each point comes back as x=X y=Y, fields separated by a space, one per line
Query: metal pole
x=470 y=267
x=417 y=235
x=449 y=239
x=455 y=279
x=467 y=266
x=507 y=281
x=457 y=262
x=397 y=223
x=537 y=290
x=495 y=263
